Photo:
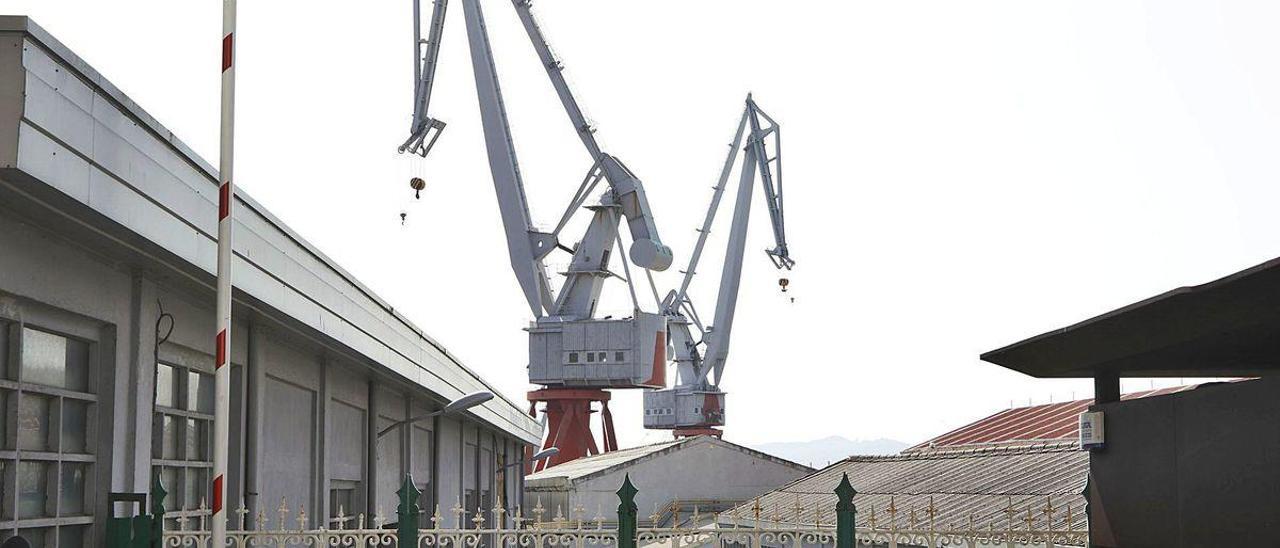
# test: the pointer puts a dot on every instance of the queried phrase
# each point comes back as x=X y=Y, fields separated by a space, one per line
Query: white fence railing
x=511 y=529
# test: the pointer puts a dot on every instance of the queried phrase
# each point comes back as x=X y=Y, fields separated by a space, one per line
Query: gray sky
x=960 y=175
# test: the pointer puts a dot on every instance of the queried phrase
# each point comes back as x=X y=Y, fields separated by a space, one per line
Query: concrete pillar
x=1106 y=387
x=255 y=376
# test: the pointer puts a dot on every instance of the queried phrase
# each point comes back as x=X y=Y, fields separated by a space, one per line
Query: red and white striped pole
x=226 y=194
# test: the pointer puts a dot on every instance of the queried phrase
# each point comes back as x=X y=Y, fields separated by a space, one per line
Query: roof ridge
x=1016 y=447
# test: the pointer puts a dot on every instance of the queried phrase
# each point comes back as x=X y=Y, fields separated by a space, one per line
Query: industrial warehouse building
x=107 y=241
x=675 y=478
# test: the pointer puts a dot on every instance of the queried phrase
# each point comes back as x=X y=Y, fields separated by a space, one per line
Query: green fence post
x=845 y=513
x=155 y=522
x=627 y=514
x=120 y=530
x=407 y=512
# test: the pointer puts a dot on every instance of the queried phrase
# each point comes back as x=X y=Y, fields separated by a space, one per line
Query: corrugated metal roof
x=1037 y=423
x=1013 y=460
x=575 y=469
x=984 y=484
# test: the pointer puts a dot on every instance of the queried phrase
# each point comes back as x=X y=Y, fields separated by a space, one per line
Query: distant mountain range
x=819 y=453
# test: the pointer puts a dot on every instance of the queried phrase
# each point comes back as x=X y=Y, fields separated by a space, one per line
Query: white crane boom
x=525 y=246
x=696 y=403
x=573 y=354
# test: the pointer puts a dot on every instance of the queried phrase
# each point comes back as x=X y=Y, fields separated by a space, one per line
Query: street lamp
x=545 y=454
x=540 y=455
x=461 y=404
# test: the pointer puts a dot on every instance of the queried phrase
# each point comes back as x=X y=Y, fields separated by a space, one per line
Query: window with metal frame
x=181 y=440
x=47 y=439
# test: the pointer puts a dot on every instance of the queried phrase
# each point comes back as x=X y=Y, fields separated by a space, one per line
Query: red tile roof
x=1037 y=423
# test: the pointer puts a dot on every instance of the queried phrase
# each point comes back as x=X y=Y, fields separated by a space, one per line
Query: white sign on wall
x=1092 y=432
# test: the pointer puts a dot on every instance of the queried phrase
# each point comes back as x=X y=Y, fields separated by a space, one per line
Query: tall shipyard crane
x=696 y=405
x=575 y=356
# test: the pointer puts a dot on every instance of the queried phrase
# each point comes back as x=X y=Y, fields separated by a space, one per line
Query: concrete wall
x=1197 y=468
x=312 y=423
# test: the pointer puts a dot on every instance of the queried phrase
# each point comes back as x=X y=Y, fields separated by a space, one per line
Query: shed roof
x=1016 y=459
x=983 y=484
x=588 y=467
x=1227 y=327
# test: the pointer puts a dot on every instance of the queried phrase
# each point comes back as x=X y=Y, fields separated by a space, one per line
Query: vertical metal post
x=846 y=512
x=627 y=514
x=158 y=495
x=222 y=340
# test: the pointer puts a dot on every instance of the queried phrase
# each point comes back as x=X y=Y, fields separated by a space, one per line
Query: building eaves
x=502 y=413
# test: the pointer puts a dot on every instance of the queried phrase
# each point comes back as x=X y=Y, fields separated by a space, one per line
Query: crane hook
x=402 y=217
x=417 y=184
x=783 y=282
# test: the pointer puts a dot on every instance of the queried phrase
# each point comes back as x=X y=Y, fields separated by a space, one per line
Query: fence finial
x=627 y=513
x=846 y=513
x=407 y=512
x=157 y=509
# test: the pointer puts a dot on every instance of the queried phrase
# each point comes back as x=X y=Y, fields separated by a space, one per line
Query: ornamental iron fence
x=516 y=529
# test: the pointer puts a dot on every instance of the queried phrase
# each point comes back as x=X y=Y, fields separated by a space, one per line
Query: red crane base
x=569 y=423
x=697 y=431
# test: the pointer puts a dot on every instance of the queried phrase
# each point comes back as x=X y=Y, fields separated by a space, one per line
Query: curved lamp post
x=461 y=404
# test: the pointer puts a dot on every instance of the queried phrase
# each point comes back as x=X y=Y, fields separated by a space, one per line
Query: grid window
x=181 y=438
x=46 y=437
x=343 y=499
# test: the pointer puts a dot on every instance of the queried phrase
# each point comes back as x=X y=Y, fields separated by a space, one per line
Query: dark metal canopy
x=1227 y=327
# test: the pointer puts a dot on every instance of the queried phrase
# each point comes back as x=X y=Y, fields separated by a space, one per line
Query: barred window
x=181 y=439
x=47 y=438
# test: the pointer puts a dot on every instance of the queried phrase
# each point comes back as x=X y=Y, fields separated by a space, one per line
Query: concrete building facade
x=107 y=254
